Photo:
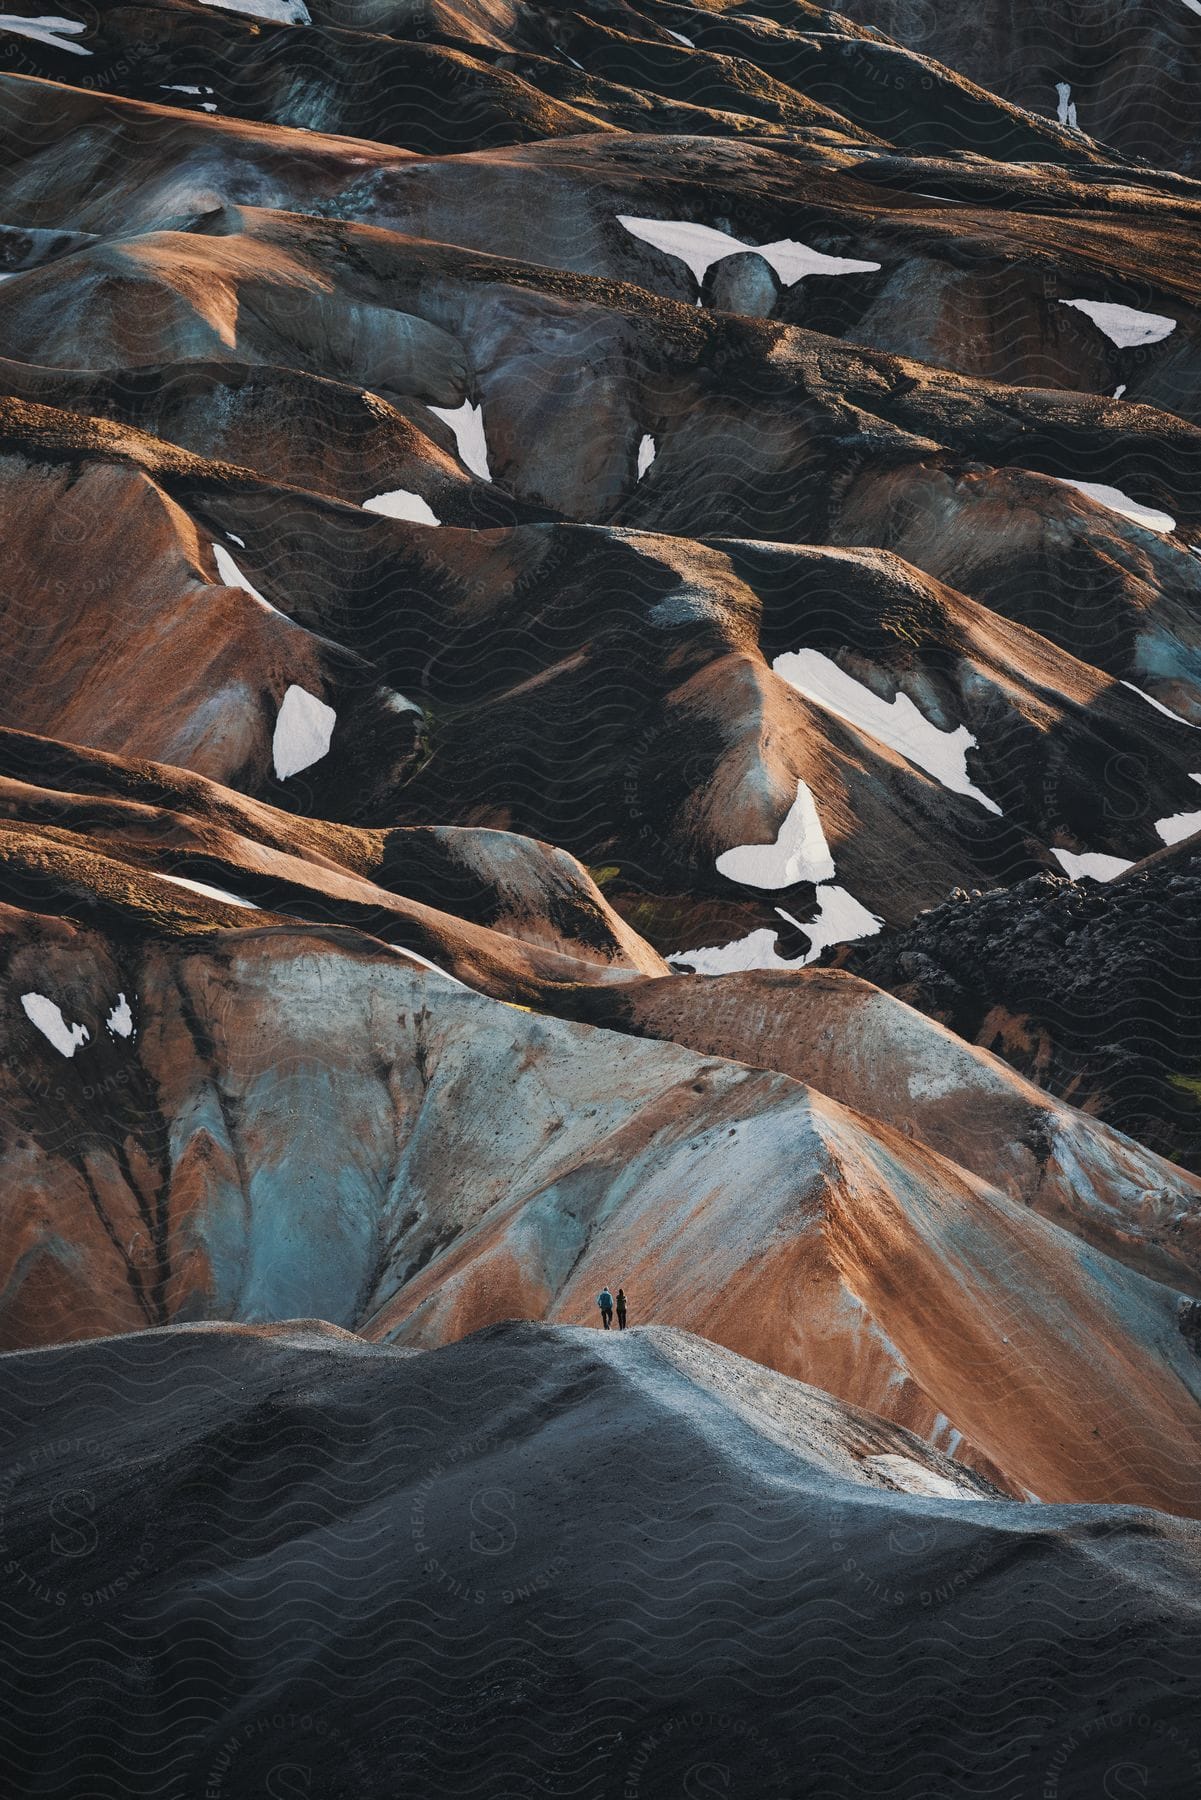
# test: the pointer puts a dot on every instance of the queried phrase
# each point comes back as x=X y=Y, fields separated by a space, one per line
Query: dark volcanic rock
x=1094 y=991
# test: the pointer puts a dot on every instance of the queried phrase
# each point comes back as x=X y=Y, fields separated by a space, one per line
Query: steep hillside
x=1094 y=990
x=602 y=678
x=230 y=1117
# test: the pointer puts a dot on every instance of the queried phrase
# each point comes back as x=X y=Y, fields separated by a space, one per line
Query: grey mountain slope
x=540 y=1560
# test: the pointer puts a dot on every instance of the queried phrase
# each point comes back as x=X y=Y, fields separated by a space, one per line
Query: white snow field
x=1179 y=825
x=279 y=12
x=840 y=919
x=401 y=504
x=48 y=1018
x=1090 y=862
x=120 y=1019
x=303 y=728
x=47 y=29
x=1122 y=503
x=800 y=852
x=1124 y=325
x=897 y=723
x=701 y=245
x=755 y=951
x=467 y=423
x=209 y=893
x=232 y=576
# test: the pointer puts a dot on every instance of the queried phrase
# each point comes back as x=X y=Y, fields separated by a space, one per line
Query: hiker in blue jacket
x=605 y=1301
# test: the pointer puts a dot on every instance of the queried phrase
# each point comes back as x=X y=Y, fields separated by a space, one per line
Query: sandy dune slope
x=548 y=1559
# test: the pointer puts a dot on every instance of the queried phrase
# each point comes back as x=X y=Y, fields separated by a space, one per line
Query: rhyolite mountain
x=602 y=679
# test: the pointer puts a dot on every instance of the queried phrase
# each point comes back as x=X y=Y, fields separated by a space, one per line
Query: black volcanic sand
x=277 y=1560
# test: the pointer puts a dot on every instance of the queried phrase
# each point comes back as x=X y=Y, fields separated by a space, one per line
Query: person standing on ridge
x=621 y=1309
x=605 y=1301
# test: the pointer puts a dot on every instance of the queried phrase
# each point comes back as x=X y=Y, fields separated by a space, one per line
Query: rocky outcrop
x=1091 y=989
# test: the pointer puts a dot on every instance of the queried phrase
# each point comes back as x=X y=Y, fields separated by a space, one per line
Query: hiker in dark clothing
x=605 y=1301
x=621 y=1309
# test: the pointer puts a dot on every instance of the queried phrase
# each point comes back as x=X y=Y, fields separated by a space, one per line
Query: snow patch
x=840 y=919
x=799 y=853
x=401 y=504
x=232 y=576
x=50 y=1022
x=1067 y=108
x=897 y=723
x=467 y=423
x=280 y=12
x=210 y=893
x=700 y=246
x=679 y=37
x=209 y=106
x=303 y=728
x=425 y=963
x=756 y=951
x=1159 y=705
x=120 y=1019
x=1121 y=387
x=1125 y=325
x=1090 y=862
x=647 y=451
x=49 y=30
x=235 y=539
x=1180 y=825
x=1193 y=5
x=1119 y=502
